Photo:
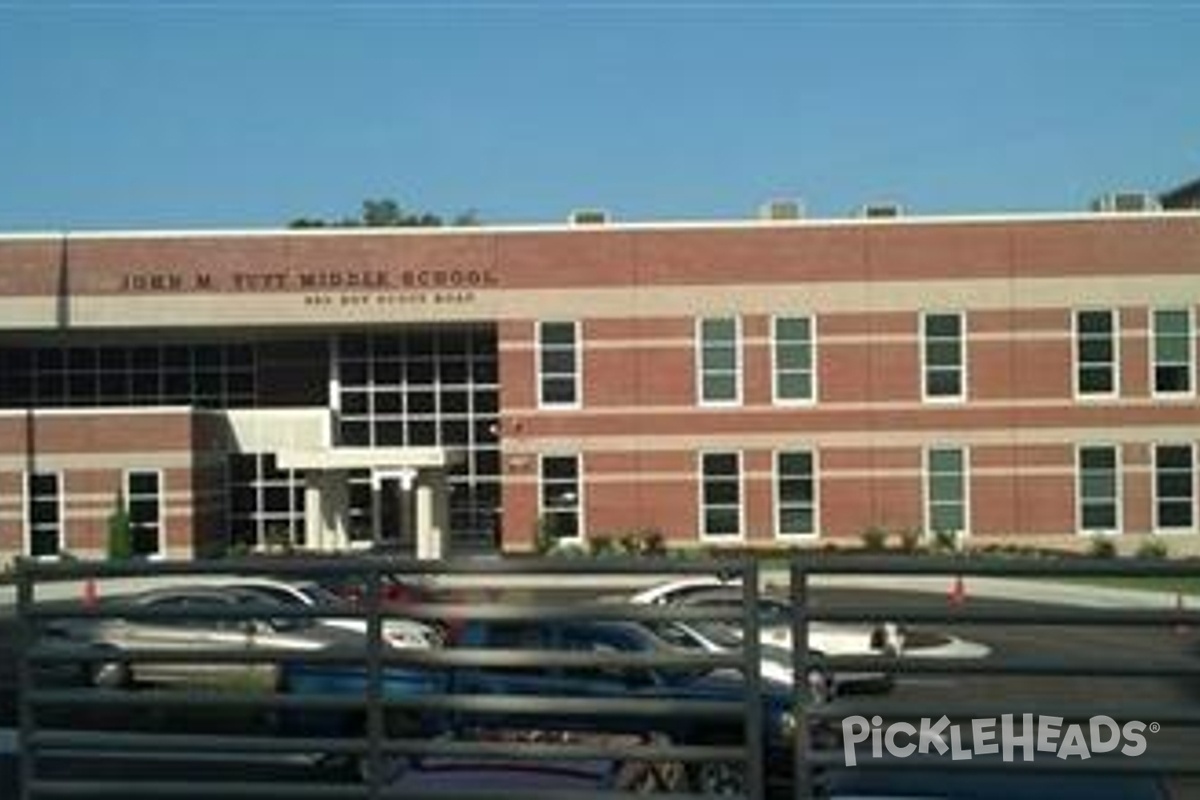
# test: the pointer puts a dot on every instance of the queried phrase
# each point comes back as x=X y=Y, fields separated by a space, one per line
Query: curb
x=1044 y=592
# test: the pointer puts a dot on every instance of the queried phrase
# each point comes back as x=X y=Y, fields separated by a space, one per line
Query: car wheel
x=720 y=779
x=820 y=686
x=109 y=675
x=391 y=767
x=650 y=777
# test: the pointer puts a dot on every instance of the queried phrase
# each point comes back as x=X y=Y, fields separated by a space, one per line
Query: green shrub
x=910 y=540
x=874 y=539
x=1102 y=547
x=601 y=545
x=1153 y=548
x=120 y=532
x=945 y=540
x=551 y=530
x=568 y=549
x=645 y=542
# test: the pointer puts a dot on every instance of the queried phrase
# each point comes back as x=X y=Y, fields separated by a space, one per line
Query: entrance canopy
x=409 y=495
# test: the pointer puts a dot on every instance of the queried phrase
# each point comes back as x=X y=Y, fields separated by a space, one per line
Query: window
x=946 y=490
x=793 y=353
x=721 y=495
x=1174 y=487
x=1098 y=489
x=558 y=364
x=43 y=513
x=795 y=493
x=720 y=372
x=266 y=504
x=942 y=356
x=425 y=386
x=87 y=376
x=143 y=501
x=1095 y=354
x=1173 y=352
x=559 y=497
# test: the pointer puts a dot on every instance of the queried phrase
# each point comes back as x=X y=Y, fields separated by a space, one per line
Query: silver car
x=193 y=622
x=339 y=612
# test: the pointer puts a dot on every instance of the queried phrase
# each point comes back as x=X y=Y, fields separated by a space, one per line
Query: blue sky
x=247 y=113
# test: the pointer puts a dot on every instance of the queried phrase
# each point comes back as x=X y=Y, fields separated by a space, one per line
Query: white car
x=775 y=620
x=401 y=633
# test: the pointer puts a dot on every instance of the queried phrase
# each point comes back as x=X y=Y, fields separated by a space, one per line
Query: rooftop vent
x=1126 y=202
x=588 y=216
x=781 y=208
x=881 y=210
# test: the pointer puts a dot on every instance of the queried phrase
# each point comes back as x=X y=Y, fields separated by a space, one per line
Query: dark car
x=538 y=680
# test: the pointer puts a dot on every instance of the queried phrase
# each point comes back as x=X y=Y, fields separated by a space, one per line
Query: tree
x=385 y=212
x=120 y=532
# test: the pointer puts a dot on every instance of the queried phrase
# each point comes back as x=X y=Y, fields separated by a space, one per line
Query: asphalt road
x=933 y=694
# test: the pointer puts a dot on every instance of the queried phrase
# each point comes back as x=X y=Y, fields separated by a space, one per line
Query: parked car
x=397 y=632
x=550 y=682
x=775 y=616
x=775 y=663
x=198 y=628
x=398 y=592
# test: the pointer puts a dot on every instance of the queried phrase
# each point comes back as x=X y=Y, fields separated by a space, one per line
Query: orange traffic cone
x=91 y=598
x=957 y=596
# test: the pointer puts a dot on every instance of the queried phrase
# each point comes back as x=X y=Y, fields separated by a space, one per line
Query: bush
x=1102 y=547
x=945 y=540
x=551 y=530
x=601 y=545
x=120 y=532
x=874 y=539
x=1153 y=548
x=910 y=540
x=647 y=542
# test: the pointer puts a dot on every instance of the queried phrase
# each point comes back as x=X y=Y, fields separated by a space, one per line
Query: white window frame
x=262 y=520
x=962 y=360
x=27 y=518
x=1158 y=527
x=776 y=372
x=1118 y=499
x=701 y=519
x=738 y=362
x=161 y=522
x=543 y=509
x=576 y=351
x=1153 y=355
x=1077 y=363
x=927 y=477
x=814 y=476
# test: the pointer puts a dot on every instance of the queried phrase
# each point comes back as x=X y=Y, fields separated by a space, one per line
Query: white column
x=326 y=509
x=314 y=510
x=433 y=516
x=376 y=506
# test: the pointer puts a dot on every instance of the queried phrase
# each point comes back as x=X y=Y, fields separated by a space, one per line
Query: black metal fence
x=70 y=722
x=125 y=739
x=1063 y=675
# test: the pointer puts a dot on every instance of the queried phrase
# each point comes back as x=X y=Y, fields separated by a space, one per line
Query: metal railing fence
x=61 y=721
x=57 y=721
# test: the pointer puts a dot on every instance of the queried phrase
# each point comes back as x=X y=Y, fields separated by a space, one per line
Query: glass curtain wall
x=426 y=387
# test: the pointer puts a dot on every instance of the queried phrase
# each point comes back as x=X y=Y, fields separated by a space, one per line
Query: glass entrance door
x=397 y=528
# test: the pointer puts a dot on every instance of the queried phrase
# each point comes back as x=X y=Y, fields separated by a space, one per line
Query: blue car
x=556 y=682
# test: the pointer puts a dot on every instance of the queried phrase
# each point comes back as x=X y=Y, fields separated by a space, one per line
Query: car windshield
x=319 y=595
x=772 y=611
x=259 y=597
